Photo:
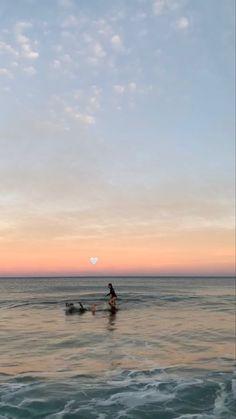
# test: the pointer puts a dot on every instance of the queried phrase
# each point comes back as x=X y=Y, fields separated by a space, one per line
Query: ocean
x=167 y=353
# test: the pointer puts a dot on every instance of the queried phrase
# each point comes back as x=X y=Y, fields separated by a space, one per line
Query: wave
x=127 y=394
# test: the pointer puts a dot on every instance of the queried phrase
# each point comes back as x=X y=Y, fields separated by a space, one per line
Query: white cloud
x=132 y=87
x=94 y=103
x=56 y=64
x=14 y=64
x=103 y=28
x=166 y=6
x=98 y=50
x=6 y=48
x=97 y=91
x=30 y=71
x=5 y=72
x=58 y=48
x=79 y=107
x=118 y=88
x=116 y=41
x=88 y=99
x=94 y=100
x=25 y=43
x=95 y=52
x=84 y=118
x=159 y=7
x=70 y=21
x=182 y=23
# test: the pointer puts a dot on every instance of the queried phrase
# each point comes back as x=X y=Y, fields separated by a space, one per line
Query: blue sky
x=117 y=114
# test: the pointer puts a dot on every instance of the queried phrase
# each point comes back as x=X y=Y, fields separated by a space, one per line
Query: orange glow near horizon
x=196 y=253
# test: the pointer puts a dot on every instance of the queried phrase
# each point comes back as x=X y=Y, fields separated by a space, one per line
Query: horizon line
x=119 y=276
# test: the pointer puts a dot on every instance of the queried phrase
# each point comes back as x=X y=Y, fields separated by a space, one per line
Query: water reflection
x=55 y=344
x=111 y=326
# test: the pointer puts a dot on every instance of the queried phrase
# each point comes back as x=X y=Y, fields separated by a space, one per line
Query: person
x=82 y=308
x=113 y=296
x=93 y=308
x=71 y=308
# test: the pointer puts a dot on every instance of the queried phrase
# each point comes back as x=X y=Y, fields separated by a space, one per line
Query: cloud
x=78 y=107
x=30 y=71
x=84 y=118
x=6 y=48
x=116 y=42
x=94 y=101
x=70 y=21
x=95 y=52
x=98 y=50
x=118 y=88
x=25 y=43
x=159 y=7
x=5 y=72
x=56 y=64
x=132 y=87
x=163 y=6
x=182 y=23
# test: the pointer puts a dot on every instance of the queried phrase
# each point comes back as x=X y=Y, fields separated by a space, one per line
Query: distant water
x=167 y=353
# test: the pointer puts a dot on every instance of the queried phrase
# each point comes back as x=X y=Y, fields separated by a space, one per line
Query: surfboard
x=73 y=309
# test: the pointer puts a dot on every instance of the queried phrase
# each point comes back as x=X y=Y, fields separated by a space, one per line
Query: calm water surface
x=167 y=353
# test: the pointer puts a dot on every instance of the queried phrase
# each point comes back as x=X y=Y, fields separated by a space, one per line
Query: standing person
x=113 y=296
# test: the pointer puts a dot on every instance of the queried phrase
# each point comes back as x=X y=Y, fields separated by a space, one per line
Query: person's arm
x=108 y=294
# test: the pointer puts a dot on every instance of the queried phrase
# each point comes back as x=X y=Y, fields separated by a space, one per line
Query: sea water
x=168 y=352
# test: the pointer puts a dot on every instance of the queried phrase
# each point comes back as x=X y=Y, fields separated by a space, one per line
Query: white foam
x=219 y=405
x=67 y=409
x=133 y=399
x=195 y=416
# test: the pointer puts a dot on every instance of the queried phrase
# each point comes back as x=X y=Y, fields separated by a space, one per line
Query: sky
x=117 y=137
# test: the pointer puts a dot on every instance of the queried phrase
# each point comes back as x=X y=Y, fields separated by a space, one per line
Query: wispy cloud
x=30 y=71
x=116 y=42
x=159 y=7
x=98 y=50
x=26 y=45
x=182 y=23
x=84 y=118
x=6 y=48
x=70 y=22
x=132 y=87
x=5 y=72
x=118 y=88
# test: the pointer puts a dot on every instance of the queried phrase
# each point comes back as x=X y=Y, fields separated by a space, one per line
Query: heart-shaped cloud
x=93 y=260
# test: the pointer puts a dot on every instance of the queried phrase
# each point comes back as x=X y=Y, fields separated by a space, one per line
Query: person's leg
x=93 y=308
x=112 y=302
